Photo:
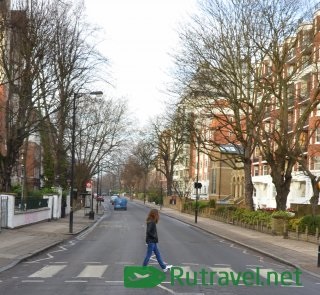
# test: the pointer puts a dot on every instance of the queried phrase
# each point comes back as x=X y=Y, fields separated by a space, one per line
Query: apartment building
x=304 y=56
x=212 y=166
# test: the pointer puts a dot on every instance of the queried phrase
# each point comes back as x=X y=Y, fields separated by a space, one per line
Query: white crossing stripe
x=93 y=271
x=48 y=271
x=271 y=275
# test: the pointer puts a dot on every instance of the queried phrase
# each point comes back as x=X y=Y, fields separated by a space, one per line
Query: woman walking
x=152 y=240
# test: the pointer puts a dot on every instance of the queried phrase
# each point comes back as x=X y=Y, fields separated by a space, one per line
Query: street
x=94 y=261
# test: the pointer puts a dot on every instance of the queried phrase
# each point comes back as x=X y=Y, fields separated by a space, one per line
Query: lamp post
x=22 y=182
x=75 y=95
x=197 y=182
x=98 y=183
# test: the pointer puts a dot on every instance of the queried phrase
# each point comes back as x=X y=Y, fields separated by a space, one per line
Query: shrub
x=212 y=203
x=294 y=223
x=281 y=214
x=201 y=204
x=312 y=222
x=221 y=211
x=156 y=199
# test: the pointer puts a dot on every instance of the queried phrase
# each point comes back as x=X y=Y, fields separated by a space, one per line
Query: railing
x=263 y=227
x=30 y=203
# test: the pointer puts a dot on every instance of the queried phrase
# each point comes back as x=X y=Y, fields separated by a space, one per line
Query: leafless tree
x=132 y=175
x=145 y=154
x=25 y=39
x=47 y=53
x=76 y=64
x=169 y=139
x=221 y=71
x=102 y=131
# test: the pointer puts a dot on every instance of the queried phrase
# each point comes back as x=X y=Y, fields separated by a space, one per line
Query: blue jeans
x=152 y=247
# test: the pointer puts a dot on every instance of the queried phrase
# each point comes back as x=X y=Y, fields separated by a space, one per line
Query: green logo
x=142 y=276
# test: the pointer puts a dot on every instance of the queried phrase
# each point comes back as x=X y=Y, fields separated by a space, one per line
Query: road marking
x=93 y=271
x=124 y=262
x=194 y=264
x=92 y=262
x=78 y=281
x=32 y=281
x=48 y=271
x=49 y=256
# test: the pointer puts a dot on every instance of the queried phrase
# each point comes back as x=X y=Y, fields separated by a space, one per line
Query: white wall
x=21 y=218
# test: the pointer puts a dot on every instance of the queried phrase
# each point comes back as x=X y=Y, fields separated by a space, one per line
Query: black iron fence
x=30 y=203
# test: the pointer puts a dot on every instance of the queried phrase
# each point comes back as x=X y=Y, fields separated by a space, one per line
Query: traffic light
x=198 y=185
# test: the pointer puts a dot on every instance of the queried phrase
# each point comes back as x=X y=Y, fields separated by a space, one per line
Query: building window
x=213 y=181
x=318 y=135
x=256 y=170
x=316 y=163
x=265 y=170
x=318 y=110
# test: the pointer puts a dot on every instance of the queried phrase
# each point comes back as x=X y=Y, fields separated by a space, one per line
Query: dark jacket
x=151 y=236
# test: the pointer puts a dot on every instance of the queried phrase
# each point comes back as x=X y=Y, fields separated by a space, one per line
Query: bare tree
x=76 y=64
x=25 y=40
x=132 y=175
x=102 y=131
x=223 y=71
x=169 y=140
x=145 y=154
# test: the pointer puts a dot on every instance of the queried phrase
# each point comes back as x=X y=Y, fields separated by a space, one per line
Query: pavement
x=17 y=245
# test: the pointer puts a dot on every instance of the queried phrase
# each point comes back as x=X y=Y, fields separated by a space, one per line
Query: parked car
x=112 y=199
x=100 y=198
x=120 y=203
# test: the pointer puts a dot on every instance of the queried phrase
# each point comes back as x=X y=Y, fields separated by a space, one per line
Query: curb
x=277 y=258
x=45 y=248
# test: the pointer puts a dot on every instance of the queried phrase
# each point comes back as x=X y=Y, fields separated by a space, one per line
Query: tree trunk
x=169 y=185
x=248 y=185
x=314 y=200
x=5 y=175
x=283 y=189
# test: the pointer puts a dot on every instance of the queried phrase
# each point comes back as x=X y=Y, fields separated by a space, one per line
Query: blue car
x=120 y=203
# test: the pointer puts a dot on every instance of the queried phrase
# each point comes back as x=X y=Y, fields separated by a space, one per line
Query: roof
x=231 y=149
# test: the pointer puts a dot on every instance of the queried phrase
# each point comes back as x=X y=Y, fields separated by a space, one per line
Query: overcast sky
x=138 y=35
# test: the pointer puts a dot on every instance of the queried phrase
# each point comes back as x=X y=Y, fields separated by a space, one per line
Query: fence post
x=319 y=256
x=285 y=231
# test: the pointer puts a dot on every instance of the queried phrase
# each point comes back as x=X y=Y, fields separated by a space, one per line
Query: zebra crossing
x=87 y=272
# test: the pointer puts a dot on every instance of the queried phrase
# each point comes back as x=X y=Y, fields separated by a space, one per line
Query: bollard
x=319 y=256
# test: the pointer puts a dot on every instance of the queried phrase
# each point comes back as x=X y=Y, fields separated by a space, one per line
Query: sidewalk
x=19 y=244
x=299 y=254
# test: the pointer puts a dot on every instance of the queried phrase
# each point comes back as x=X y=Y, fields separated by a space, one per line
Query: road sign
x=89 y=186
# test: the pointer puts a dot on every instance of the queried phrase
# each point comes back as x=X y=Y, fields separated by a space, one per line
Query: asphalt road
x=93 y=263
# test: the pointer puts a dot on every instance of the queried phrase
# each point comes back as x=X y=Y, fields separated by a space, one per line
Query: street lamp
x=75 y=95
x=197 y=185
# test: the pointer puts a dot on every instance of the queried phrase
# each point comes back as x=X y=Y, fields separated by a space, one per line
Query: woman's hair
x=153 y=216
